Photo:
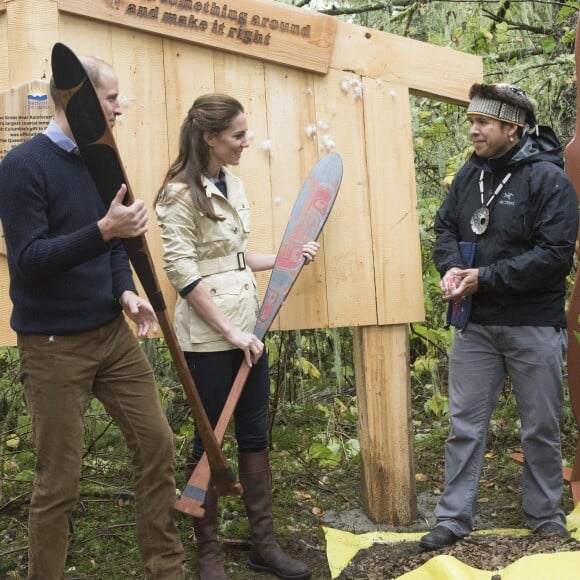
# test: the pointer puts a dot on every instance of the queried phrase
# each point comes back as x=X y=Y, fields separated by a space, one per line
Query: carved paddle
x=310 y=212
x=97 y=147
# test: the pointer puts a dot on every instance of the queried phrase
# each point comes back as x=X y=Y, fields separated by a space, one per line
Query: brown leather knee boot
x=209 y=563
x=265 y=554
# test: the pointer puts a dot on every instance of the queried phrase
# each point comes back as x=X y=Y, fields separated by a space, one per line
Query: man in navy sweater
x=70 y=282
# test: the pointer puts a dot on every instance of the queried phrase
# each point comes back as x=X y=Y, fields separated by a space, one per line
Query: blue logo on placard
x=37 y=100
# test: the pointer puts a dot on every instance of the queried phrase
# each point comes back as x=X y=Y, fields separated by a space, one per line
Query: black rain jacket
x=526 y=253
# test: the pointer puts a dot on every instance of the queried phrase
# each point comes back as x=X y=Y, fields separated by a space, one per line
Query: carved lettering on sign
x=194 y=21
x=267 y=30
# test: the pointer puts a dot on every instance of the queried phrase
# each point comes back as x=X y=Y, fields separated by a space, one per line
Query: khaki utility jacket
x=195 y=246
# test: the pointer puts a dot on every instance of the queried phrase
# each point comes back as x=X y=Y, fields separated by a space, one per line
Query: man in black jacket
x=514 y=206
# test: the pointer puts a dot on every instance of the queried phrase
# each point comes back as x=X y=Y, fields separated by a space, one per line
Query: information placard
x=24 y=112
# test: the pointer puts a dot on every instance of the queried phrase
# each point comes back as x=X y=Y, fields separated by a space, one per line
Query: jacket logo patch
x=506 y=199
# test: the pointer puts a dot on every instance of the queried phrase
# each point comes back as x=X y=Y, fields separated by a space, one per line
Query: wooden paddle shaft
x=201 y=477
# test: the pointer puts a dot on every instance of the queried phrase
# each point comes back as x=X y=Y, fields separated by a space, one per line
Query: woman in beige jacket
x=204 y=217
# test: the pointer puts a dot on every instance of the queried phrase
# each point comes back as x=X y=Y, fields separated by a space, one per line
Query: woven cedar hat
x=502 y=102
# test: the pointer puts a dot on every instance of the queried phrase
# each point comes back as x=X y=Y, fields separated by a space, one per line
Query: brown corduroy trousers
x=60 y=374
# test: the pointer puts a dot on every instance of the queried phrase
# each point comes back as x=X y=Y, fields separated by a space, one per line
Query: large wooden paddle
x=96 y=143
x=572 y=156
x=310 y=212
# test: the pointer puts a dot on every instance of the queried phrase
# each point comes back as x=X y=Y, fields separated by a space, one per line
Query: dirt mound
x=486 y=552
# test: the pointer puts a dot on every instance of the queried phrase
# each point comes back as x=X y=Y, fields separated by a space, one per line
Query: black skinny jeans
x=214 y=374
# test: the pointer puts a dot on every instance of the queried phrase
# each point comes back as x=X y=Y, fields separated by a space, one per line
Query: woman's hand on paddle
x=309 y=251
x=252 y=346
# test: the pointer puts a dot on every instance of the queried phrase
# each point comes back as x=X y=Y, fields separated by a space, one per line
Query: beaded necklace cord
x=480 y=218
x=495 y=193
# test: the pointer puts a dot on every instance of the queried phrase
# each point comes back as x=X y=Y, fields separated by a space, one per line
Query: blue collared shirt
x=57 y=136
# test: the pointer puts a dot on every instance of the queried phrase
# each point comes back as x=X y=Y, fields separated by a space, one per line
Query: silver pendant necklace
x=480 y=218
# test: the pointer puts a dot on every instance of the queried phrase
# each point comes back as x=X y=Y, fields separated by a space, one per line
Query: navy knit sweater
x=64 y=277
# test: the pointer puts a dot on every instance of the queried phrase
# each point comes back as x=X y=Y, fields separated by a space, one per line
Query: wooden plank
x=28 y=29
x=32 y=28
x=180 y=89
x=141 y=132
x=393 y=204
x=4 y=67
x=348 y=246
x=7 y=335
x=243 y=78
x=261 y=29
x=381 y=356
x=289 y=95
x=429 y=70
x=79 y=34
x=188 y=74
x=24 y=111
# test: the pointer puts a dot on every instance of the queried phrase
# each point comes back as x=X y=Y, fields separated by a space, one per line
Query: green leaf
x=352 y=448
x=309 y=369
x=568 y=10
x=324 y=454
x=548 y=44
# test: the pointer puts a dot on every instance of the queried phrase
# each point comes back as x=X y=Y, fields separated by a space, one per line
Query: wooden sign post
x=572 y=155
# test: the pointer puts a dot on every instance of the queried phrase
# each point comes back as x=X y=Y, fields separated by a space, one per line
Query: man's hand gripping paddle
x=310 y=212
x=97 y=147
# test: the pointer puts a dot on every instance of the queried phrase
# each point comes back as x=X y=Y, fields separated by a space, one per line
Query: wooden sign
x=310 y=84
x=269 y=31
x=24 y=112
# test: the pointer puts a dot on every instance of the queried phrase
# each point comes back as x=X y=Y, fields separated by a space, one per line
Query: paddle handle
x=193 y=496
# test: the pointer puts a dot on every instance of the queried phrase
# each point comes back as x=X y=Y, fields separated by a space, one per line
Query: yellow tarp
x=341 y=547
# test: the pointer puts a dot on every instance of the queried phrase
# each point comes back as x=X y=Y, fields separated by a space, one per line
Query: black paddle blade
x=67 y=70
x=103 y=165
x=83 y=109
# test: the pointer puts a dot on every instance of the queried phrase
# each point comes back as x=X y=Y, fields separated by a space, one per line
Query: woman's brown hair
x=211 y=113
